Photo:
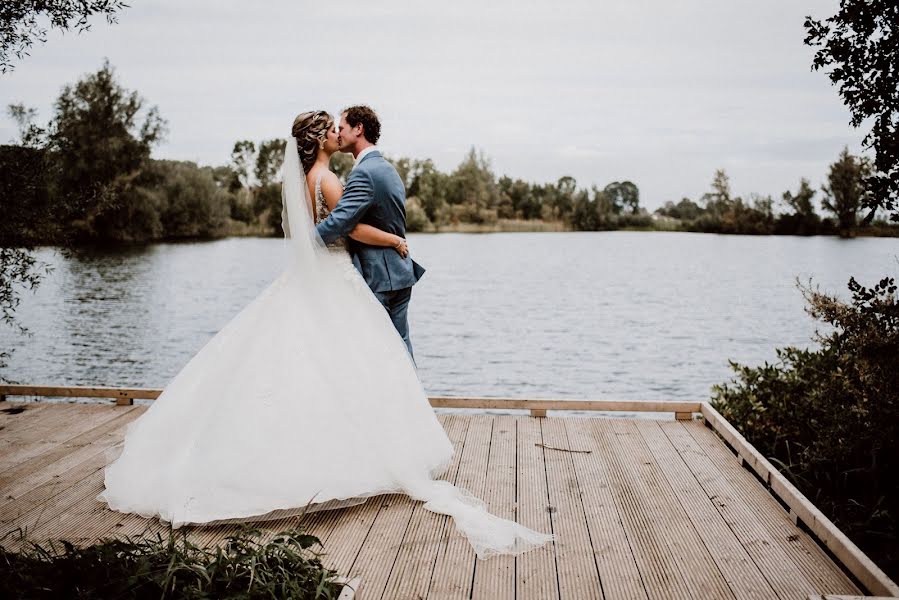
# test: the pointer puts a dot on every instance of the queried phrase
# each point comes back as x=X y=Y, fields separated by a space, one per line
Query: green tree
x=268 y=161
x=685 y=210
x=803 y=220
x=562 y=197
x=430 y=186
x=342 y=164
x=860 y=47
x=193 y=205
x=21 y=22
x=225 y=177
x=473 y=182
x=719 y=199
x=605 y=208
x=624 y=196
x=416 y=218
x=101 y=137
x=243 y=156
x=845 y=190
x=802 y=202
x=584 y=214
x=520 y=195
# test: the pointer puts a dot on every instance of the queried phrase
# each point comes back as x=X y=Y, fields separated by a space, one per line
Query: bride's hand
x=402 y=247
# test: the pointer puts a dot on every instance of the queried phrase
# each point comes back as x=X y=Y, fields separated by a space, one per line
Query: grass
x=157 y=568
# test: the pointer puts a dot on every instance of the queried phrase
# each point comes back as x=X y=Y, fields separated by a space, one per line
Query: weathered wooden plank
x=56 y=473
x=20 y=450
x=698 y=568
x=871 y=576
x=410 y=576
x=101 y=424
x=51 y=518
x=48 y=510
x=376 y=556
x=41 y=470
x=618 y=573
x=742 y=574
x=536 y=575
x=817 y=570
x=17 y=506
x=577 y=569
x=782 y=575
x=50 y=420
x=54 y=496
x=454 y=568
x=15 y=415
x=495 y=578
x=660 y=570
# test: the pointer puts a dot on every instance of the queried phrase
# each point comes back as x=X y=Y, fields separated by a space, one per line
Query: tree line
x=88 y=176
x=843 y=197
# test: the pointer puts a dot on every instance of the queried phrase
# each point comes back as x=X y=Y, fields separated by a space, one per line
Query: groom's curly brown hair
x=371 y=126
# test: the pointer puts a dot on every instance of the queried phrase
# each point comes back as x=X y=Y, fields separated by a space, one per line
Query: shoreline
x=503 y=226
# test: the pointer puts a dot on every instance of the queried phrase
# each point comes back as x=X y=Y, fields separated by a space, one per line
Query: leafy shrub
x=416 y=217
x=830 y=417
x=157 y=569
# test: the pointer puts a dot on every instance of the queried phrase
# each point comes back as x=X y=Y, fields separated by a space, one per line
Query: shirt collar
x=363 y=154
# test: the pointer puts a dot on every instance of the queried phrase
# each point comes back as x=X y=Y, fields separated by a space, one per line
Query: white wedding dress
x=306 y=399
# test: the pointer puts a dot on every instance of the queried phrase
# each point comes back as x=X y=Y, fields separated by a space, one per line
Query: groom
x=374 y=195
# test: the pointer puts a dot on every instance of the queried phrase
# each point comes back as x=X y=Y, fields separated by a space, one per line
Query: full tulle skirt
x=306 y=399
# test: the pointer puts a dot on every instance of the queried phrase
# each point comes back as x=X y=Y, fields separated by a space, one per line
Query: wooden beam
x=858 y=563
x=78 y=392
x=666 y=406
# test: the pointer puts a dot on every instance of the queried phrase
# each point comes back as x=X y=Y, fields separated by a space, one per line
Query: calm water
x=568 y=315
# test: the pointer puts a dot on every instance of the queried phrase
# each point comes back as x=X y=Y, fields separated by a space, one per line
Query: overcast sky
x=658 y=92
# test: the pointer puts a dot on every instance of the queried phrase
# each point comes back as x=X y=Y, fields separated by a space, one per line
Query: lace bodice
x=322 y=211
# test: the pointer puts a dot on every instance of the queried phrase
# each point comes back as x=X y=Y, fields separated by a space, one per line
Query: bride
x=307 y=399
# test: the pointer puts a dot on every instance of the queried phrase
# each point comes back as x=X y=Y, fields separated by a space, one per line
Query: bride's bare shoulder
x=331 y=188
x=330 y=178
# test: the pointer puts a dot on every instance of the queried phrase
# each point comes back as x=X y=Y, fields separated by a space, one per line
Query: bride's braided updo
x=310 y=129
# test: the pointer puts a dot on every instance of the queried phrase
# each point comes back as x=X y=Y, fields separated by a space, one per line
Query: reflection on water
x=567 y=315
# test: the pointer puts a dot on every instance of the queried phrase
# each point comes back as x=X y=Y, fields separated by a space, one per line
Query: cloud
x=657 y=92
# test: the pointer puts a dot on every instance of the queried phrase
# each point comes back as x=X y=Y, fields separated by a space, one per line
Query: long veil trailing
x=306 y=397
x=488 y=534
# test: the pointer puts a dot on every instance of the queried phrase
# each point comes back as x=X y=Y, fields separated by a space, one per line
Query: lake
x=618 y=315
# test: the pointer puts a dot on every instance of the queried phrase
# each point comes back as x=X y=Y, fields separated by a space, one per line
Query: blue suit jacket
x=375 y=195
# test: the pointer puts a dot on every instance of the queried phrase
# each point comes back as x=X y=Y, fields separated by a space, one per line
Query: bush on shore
x=829 y=417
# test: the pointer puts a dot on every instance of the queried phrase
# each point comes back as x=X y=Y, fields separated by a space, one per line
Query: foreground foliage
x=22 y=23
x=157 y=569
x=829 y=418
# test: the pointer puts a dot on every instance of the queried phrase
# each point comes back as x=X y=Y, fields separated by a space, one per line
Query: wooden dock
x=640 y=508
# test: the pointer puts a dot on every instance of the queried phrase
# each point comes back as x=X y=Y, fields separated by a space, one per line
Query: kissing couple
x=309 y=399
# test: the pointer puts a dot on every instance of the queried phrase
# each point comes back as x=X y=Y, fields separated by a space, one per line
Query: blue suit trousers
x=396 y=303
